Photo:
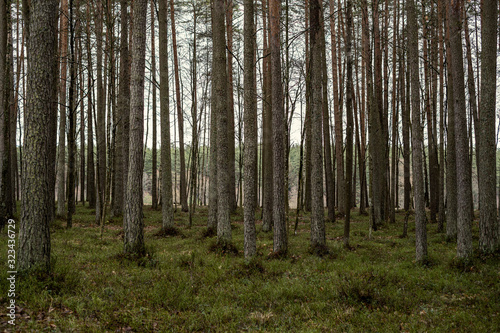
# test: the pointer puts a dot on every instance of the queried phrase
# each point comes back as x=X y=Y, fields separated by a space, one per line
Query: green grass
x=182 y=286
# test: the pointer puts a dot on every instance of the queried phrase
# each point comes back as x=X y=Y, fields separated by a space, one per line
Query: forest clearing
x=182 y=285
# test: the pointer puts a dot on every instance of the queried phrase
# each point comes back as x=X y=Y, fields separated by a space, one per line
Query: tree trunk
x=134 y=233
x=416 y=138
x=180 y=116
x=219 y=104
x=250 y=119
x=71 y=122
x=154 y=181
x=61 y=154
x=318 y=240
x=463 y=167
x=488 y=222
x=166 y=163
x=350 y=125
x=34 y=234
x=230 y=106
x=267 y=133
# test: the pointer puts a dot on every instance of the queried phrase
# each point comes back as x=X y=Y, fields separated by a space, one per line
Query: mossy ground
x=183 y=286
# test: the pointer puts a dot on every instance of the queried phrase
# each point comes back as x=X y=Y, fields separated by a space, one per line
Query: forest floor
x=183 y=286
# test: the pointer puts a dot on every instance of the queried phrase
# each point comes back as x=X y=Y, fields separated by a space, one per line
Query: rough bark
x=180 y=116
x=416 y=137
x=230 y=106
x=154 y=180
x=349 y=129
x=71 y=122
x=166 y=163
x=91 y=191
x=250 y=119
x=279 y=123
x=61 y=154
x=219 y=104
x=317 y=210
x=134 y=233
x=488 y=222
x=463 y=166
x=267 y=134
x=34 y=234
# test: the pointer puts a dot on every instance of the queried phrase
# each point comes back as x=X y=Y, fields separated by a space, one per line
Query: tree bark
x=134 y=233
x=349 y=129
x=154 y=180
x=219 y=104
x=250 y=119
x=488 y=222
x=416 y=138
x=166 y=163
x=180 y=116
x=279 y=123
x=318 y=239
x=34 y=234
x=463 y=167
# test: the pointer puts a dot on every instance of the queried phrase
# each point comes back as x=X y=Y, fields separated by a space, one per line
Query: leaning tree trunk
x=134 y=233
x=34 y=234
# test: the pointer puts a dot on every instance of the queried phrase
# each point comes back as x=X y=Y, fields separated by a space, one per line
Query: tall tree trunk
x=350 y=125
x=329 y=176
x=180 y=116
x=134 y=233
x=101 y=118
x=318 y=239
x=6 y=171
x=488 y=222
x=230 y=106
x=418 y=188
x=279 y=123
x=451 y=171
x=166 y=163
x=91 y=191
x=71 y=121
x=219 y=104
x=339 y=150
x=250 y=119
x=34 y=234
x=267 y=133
x=464 y=186
x=154 y=181
x=442 y=213
x=61 y=154
x=307 y=122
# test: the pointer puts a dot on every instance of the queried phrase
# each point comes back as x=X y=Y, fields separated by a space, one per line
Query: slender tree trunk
x=34 y=234
x=350 y=125
x=6 y=171
x=194 y=116
x=134 y=233
x=488 y=222
x=250 y=118
x=451 y=171
x=71 y=122
x=318 y=239
x=442 y=213
x=464 y=186
x=61 y=154
x=418 y=188
x=230 y=106
x=166 y=163
x=219 y=104
x=279 y=123
x=267 y=129
x=180 y=116
x=154 y=181
x=91 y=191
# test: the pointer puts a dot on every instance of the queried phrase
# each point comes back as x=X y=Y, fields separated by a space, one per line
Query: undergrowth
x=186 y=282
